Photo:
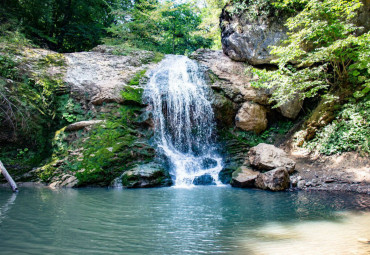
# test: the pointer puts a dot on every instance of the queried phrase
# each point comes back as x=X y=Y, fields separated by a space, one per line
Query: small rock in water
x=204 y=180
x=209 y=163
x=293 y=181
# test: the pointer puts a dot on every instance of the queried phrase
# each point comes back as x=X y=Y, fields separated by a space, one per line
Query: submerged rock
x=251 y=117
x=204 y=180
x=275 y=180
x=244 y=178
x=146 y=176
x=266 y=157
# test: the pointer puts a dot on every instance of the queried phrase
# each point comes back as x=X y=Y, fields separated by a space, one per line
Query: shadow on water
x=203 y=219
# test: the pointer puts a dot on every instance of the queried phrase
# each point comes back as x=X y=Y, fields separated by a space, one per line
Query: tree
x=167 y=27
x=323 y=51
x=62 y=25
x=210 y=21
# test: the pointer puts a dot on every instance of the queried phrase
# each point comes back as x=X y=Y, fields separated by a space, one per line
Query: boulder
x=244 y=177
x=204 y=180
x=291 y=108
x=249 y=39
x=251 y=117
x=275 y=180
x=267 y=157
x=146 y=176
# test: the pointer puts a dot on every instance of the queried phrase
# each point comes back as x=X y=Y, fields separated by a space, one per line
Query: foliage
x=62 y=25
x=111 y=148
x=252 y=9
x=271 y=135
x=321 y=52
x=167 y=27
x=349 y=131
x=209 y=27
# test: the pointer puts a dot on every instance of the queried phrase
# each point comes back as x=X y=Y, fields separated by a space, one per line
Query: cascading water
x=184 y=120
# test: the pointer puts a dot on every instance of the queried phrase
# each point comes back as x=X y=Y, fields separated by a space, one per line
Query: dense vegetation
x=77 y=25
x=326 y=54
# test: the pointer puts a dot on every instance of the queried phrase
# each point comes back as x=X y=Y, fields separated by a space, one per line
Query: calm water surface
x=201 y=220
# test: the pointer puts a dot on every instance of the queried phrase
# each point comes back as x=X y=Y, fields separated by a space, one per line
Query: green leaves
x=349 y=131
x=167 y=27
x=321 y=50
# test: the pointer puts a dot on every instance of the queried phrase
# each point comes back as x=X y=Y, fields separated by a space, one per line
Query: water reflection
x=8 y=204
x=177 y=221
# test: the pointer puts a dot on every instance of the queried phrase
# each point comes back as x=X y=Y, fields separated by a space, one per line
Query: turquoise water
x=201 y=220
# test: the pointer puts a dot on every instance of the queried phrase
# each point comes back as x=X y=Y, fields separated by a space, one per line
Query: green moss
x=55 y=59
x=132 y=92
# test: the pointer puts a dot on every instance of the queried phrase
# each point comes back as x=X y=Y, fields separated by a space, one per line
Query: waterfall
x=178 y=97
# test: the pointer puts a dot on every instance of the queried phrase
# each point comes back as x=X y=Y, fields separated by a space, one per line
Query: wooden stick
x=10 y=180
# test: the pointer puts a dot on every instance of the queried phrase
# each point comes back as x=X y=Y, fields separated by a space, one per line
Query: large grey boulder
x=248 y=39
x=146 y=176
x=251 y=117
x=230 y=77
x=275 y=180
x=267 y=157
x=244 y=177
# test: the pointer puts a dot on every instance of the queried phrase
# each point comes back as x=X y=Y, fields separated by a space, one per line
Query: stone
x=230 y=77
x=293 y=181
x=275 y=180
x=204 y=180
x=98 y=76
x=266 y=157
x=82 y=124
x=244 y=177
x=66 y=181
x=70 y=182
x=251 y=117
x=146 y=176
x=301 y=184
x=248 y=39
x=291 y=108
x=224 y=110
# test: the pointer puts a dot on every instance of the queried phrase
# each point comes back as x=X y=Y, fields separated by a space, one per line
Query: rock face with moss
x=98 y=127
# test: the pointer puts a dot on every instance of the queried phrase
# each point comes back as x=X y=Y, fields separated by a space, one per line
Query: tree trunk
x=10 y=180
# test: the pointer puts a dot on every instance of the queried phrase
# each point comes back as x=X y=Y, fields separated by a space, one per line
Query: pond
x=204 y=219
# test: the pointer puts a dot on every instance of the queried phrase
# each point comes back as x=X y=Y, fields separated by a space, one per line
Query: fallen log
x=7 y=176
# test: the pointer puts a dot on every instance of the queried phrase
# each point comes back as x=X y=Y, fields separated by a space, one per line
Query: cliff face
x=88 y=106
x=248 y=39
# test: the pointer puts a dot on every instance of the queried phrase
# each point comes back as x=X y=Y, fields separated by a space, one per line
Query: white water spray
x=184 y=120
